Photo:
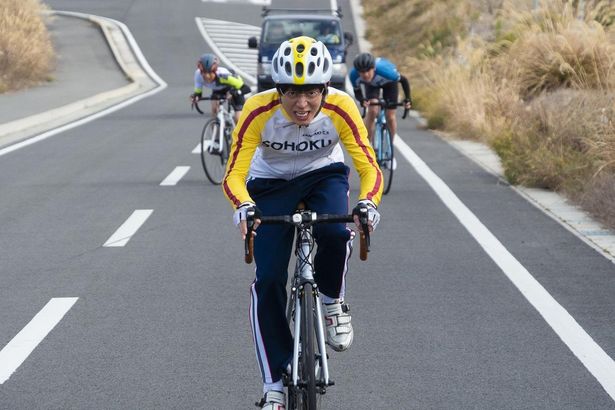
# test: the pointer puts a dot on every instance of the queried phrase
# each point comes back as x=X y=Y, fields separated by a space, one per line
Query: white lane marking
x=139 y=55
x=216 y=31
x=255 y=2
x=551 y=203
x=599 y=364
x=18 y=349
x=128 y=228
x=197 y=149
x=175 y=175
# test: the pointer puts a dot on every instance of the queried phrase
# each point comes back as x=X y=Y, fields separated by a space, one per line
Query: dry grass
x=554 y=49
x=598 y=198
x=537 y=85
x=551 y=142
x=26 y=54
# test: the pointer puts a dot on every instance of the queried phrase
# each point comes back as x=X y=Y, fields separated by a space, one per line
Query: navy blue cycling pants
x=323 y=191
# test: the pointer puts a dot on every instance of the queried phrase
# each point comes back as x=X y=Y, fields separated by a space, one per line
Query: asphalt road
x=162 y=322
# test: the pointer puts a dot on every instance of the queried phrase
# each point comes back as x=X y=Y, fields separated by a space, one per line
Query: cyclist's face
x=368 y=75
x=302 y=106
x=208 y=76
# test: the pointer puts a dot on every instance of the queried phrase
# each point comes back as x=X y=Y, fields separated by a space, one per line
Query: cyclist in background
x=372 y=74
x=221 y=80
x=287 y=146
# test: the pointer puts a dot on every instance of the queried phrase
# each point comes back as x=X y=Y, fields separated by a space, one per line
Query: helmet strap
x=322 y=101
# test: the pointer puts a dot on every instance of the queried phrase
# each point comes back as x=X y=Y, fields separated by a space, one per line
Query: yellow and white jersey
x=267 y=144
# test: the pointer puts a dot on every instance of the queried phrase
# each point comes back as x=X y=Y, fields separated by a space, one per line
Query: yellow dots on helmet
x=301 y=60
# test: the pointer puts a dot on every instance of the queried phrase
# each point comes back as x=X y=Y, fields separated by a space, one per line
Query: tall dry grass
x=537 y=85
x=26 y=53
x=555 y=49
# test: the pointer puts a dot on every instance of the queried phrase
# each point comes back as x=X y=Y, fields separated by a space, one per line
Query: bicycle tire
x=213 y=161
x=294 y=394
x=385 y=159
x=308 y=356
x=293 y=401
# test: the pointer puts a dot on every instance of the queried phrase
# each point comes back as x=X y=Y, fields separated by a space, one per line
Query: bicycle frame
x=383 y=141
x=304 y=274
x=224 y=117
x=216 y=138
x=381 y=123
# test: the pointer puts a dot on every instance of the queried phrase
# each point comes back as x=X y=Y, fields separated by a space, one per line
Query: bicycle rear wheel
x=385 y=159
x=308 y=356
x=213 y=157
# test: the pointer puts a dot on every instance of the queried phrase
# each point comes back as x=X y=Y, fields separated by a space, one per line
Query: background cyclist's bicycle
x=216 y=139
x=308 y=378
x=383 y=143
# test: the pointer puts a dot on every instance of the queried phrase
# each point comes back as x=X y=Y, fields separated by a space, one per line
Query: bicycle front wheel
x=213 y=156
x=385 y=159
x=308 y=356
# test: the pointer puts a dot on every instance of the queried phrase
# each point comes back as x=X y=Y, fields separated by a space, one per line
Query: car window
x=277 y=31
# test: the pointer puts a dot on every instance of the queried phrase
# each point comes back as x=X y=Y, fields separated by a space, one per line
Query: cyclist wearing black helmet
x=221 y=80
x=370 y=74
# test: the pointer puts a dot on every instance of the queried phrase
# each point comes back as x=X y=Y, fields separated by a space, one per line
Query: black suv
x=281 y=24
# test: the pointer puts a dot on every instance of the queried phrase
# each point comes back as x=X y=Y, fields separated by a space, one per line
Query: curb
x=142 y=81
x=551 y=203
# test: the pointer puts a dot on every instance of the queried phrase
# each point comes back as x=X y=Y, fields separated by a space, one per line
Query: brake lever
x=249 y=242
x=364 y=226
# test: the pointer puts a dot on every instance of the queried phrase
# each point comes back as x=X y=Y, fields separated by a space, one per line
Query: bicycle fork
x=217 y=140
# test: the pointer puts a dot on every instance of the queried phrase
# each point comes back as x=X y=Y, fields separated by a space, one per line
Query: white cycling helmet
x=301 y=60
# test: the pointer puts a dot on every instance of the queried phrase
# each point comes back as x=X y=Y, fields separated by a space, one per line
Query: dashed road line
x=175 y=175
x=18 y=349
x=254 y=2
x=128 y=228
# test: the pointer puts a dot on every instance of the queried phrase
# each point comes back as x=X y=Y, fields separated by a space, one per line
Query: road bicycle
x=216 y=138
x=383 y=142
x=308 y=378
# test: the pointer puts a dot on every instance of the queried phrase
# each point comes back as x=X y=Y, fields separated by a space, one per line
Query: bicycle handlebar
x=195 y=102
x=305 y=218
x=382 y=103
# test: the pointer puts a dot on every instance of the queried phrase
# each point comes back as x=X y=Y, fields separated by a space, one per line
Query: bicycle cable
x=304 y=257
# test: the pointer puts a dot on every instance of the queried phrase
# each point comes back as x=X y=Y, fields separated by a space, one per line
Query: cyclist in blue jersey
x=221 y=81
x=369 y=75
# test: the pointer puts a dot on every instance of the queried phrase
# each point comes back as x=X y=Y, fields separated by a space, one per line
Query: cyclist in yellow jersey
x=221 y=80
x=286 y=149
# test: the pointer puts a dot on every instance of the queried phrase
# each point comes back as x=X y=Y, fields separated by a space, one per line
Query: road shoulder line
x=571 y=217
